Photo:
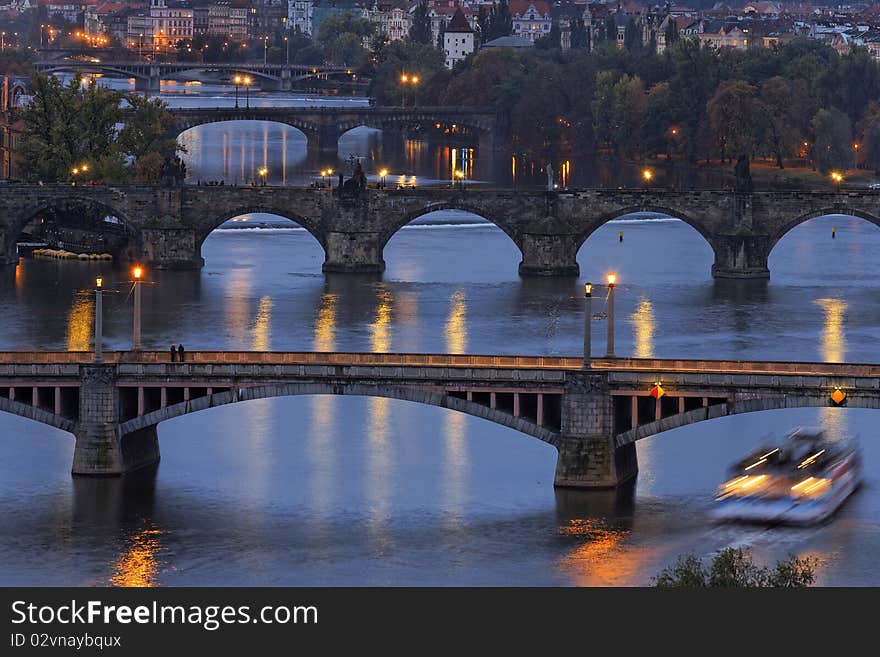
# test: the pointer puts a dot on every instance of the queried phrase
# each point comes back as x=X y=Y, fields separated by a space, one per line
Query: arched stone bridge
x=592 y=416
x=169 y=224
x=324 y=125
x=148 y=75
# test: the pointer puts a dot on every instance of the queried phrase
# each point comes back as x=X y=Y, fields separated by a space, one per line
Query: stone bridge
x=324 y=125
x=167 y=225
x=148 y=75
x=592 y=415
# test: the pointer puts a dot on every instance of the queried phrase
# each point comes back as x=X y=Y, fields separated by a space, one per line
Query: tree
x=733 y=567
x=632 y=36
x=781 y=134
x=420 y=31
x=502 y=22
x=340 y=24
x=832 y=141
x=734 y=118
x=671 y=31
x=68 y=126
x=658 y=120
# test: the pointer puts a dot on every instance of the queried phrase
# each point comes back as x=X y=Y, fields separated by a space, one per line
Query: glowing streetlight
x=588 y=315
x=247 y=81
x=382 y=174
x=137 y=274
x=459 y=174
x=837 y=177
x=263 y=172
x=647 y=175
x=236 y=80
x=99 y=320
x=612 y=281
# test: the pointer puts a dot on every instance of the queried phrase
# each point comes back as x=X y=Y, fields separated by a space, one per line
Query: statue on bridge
x=355 y=185
x=742 y=175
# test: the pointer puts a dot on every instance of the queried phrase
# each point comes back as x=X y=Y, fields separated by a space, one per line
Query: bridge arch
x=768 y=403
x=18 y=222
x=592 y=224
x=37 y=414
x=421 y=396
x=461 y=203
x=790 y=225
x=311 y=226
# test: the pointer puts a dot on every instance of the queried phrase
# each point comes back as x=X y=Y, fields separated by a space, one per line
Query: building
x=228 y=19
x=14 y=94
x=727 y=37
x=299 y=16
x=531 y=20
x=458 y=39
x=160 y=28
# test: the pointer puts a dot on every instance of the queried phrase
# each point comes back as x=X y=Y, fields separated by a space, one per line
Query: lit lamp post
x=404 y=78
x=459 y=174
x=247 y=81
x=837 y=177
x=414 y=80
x=137 y=273
x=77 y=170
x=612 y=280
x=382 y=174
x=236 y=80
x=647 y=175
x=99 y=321
x=588 y=315
x=263 y=172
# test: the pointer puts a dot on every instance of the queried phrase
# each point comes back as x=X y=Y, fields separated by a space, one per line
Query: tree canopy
x=70 y=125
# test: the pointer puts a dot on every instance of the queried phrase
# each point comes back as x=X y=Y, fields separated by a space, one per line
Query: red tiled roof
x=458 y=23
x=522 y=6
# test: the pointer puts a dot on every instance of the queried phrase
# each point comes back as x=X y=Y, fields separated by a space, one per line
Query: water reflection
x=456 y=325
x=325 y=323
x=380 y=331
x=79 y=323
x=261 y=326
x=643 y=323
x=238 y=311
x=833 y=337
x=138 y=564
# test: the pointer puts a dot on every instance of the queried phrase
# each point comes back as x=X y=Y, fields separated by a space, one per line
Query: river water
x=321 y=490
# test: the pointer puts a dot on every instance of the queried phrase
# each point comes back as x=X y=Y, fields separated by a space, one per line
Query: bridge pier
x=325 y=139
x=100 y=449
x=549 y=255
x=152 y=84
x=588 y=458
x=353 y=252
x=740 y=256
x=171 y=248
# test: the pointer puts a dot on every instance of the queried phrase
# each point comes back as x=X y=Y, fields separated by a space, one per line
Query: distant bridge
x=167 y=225
x=593 y=416
x=324 y=125
x=148 y=75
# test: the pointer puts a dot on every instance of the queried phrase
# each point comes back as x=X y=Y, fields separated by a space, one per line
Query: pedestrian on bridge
x=173 y=353
x=180 y=352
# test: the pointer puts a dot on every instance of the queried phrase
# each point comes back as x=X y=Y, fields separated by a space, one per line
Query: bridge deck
x=452 y=360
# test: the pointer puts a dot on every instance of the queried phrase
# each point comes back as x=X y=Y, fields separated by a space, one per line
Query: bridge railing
x=652 y=365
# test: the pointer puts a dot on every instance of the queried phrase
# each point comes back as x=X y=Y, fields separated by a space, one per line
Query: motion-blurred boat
x=802 y=480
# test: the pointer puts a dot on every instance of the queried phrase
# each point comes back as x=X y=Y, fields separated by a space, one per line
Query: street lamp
x=382 y=174
x=99 y=320
x=647 y=175
x=588 y=315
x=265 y=49
x=236 y=80
x=137 y=273
x=263 y=172
x=459 y=174
x=837 y=177
x=247 y=81
x=612 y=281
